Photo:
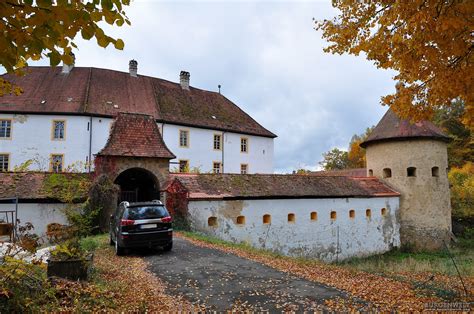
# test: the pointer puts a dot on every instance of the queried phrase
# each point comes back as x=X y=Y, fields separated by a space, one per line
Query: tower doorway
x=137 y=185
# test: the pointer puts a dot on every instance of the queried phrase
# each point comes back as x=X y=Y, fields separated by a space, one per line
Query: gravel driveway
x=223 y=281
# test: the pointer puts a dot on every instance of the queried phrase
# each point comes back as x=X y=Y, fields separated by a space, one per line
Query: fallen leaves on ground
x=135 y=289
x=381 y=292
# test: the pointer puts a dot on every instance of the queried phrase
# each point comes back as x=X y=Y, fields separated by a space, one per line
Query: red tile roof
x=135 y=135
x=27 y=185
x=391 y=127
x=256 y=186
x=107 y=92
x=357 y=172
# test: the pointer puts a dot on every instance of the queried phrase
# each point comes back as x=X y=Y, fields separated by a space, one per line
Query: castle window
x=411 y=172
x=244 y=168
x=244 y=144
x=183 y=138
x=383 y=211
x=368 y=213
x=241 y=220
x=59 y=129
x=371 y=173
x=4 y=162
x=314 y=216
x=56 y=163
x=333 y=215
x=5 y=129
x=217 y=141
x=291 y=218
x=435 y=171
x=216 y=167
x=184 y=166
x=387 y=173
x=352 y=214
x=267 y=219
x=212 y=221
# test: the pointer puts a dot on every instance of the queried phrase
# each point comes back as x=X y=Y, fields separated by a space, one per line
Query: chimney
x=133 y=68
x=68 y=68
x=184 y=80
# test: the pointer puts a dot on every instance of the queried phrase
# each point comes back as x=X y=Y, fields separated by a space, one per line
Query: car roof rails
x=157 y=201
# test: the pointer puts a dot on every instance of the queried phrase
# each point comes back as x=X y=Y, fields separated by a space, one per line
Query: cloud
x=269 y=61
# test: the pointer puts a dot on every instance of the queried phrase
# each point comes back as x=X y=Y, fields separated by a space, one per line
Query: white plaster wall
x=359 y=236
x=40 y=215
x=32 y=139
x=201 y=154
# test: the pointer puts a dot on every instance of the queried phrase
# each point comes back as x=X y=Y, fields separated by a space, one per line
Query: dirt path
x=223 y=281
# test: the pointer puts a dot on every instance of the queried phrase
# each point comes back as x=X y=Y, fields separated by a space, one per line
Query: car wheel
x=119 y=251
x=168 y=247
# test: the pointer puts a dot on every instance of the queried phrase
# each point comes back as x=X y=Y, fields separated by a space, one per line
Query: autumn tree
x=356 y=154
x=32 y=30
x=429 y=44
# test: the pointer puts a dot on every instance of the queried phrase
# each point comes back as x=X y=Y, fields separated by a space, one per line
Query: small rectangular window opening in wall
x=435 y=171
x=291 y=218
x=411 y=172
x=387 y=173
x=333 y=215
x=314 y=216
x=267 y=219
x=368 y=213
x=352 y=214
x=241 y=220
x=371 y=173
x=212 y=221
x=383 y=211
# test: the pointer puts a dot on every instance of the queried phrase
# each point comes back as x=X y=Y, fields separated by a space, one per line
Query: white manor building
x=64 y=117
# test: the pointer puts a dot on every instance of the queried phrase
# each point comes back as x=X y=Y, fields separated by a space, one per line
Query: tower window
x=371 y=173
x=241 y=220
x=387 y=173
x=435 y=171
x=368 y=213
x=333 y=215
x=352 y=214
x=212 y=221
x=411 y=172
x=291 y=217
x=267 y=219
x=314 y=216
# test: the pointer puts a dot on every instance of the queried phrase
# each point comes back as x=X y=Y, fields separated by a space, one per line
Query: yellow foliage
x=428 y=42
x=462 y=190
x=32 y=30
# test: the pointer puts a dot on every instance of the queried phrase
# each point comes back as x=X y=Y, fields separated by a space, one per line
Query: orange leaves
x=429 y=43
x=44 y=28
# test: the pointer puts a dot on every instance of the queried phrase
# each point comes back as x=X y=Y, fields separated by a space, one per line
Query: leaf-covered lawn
x=383 y=292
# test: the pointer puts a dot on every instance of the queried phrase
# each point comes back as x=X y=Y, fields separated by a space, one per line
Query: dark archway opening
x=137 y=185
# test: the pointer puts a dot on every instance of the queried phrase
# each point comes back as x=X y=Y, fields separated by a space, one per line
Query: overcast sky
x=268 y=59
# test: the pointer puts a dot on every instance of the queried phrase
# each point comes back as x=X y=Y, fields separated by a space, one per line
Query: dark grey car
x=146 y=224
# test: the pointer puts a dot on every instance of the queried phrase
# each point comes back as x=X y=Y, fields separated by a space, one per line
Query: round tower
x=413 y=159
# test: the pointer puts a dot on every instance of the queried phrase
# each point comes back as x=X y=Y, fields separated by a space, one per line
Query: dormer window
x=5 y=129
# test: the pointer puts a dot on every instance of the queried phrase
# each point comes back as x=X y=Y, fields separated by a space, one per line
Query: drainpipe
x=90 y=143
x=223 y=140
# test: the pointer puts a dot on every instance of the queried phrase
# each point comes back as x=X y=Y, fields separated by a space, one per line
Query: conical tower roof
x=392 y=128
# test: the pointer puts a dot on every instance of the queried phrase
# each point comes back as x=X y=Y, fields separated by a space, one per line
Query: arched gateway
x=135 y=157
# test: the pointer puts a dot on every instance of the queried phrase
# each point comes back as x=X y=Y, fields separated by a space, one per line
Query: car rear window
x=146 y=212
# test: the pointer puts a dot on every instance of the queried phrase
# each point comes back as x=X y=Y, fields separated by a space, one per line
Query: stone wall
x=303 y=227
x=425 y=209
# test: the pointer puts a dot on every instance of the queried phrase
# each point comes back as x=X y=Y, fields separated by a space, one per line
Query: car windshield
x=146 y=212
